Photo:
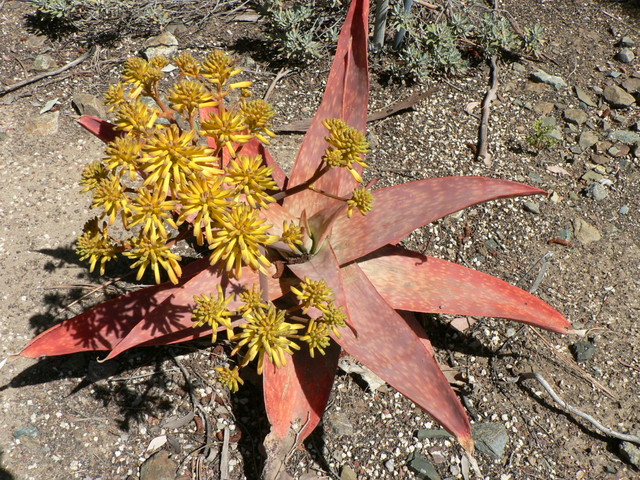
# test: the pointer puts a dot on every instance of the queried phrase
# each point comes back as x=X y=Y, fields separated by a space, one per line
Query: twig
x=542 y=272
x=621 y=21
x=628 y=365
x=29 y=81
x=483 y=153
x=579 y=413
x=283 y=72
x=224 y=456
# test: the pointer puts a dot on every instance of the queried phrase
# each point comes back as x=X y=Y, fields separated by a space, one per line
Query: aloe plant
x=354 y=255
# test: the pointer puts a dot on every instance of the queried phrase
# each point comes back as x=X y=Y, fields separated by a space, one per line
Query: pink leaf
x=393 y=351
x=346 y=96
x=102 y=129
x=399 y=210
x=411 y=281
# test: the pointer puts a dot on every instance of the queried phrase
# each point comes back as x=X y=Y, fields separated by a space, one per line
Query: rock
x=625 y=55
x=86 y=104
x=543 y=108
x=583 y=351
x=164 y=44
x=585 y=98
x=28 y=431
x=43 y=63
x=619 y=150
x=617 y=97
x=535 y=87
x=597 y=191
x=632 y=85
x=422 y=467
x=339 y=422
x=575 y=116
x=348 y=473
x=565 y=234
x=176 y=27
x=531 y=207
x=624 y=136
x=3 y=135
x=432 y=433
x=624 y=210
x=585 y=232
x=627 y=42
x=587 y=140
x=390 y=465
x=158 y=467
x=45 y=124
x=599 y=159
x=592 y=176
x=491 y=438
x=631 y=453
x=518 y=67
x=553 y=80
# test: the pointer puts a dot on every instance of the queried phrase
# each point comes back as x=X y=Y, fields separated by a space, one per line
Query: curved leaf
x=391 y=349
x=102 y=129
x=411 y=281
x=346 y=96
x=399 y=210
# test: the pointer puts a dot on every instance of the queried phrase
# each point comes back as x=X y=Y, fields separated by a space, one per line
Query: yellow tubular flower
x=292 y=235
x=93 y=175
x=214 y=312
x=142 y=75
x=362 y=199
x=203 y=201
x=266 y=332
x=317 y=336
x=252 y=179
x=96 y=245
x=226 y=129
x=187 y=64
x=152 y=208
x=347 y=145
x=230 y=378
x=136 y=117
x=170 y=155
x=218 y=68
x=257 y=117
x=334 y=317
x=252 y=300
x=111 y=196
x=312 y=293
x=239 y=240
x=151 y=250
x=188 y=96
x=124 y=152
x=115 y=96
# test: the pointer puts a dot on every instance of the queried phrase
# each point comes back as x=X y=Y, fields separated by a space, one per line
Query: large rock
x=617 y=97
x=553 y=80
x=585 y=232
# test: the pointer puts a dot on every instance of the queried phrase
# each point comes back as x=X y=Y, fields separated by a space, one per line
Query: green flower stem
x=303 y=186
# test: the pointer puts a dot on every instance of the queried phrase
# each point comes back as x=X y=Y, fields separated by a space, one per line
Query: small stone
x=339 y=422
x=422 y=467
x=424 y=433
x=599 y=159
x=176 y=27
x=631 y=453
x=565 y=234
x=531 y=207
x=592 y=176
x=584 y=97
x=617 y=97
x=553 y=80
x=597 y=191
x=575 y=116
x=619 y=150
x=555 y=198
x=603 y=146
x=29 y=431
x=45 y=124
x=583 y=351
x=585 y=232
x=164 y=44
x=625 y=55
x=587 y=140
x=158 y=467
x=43 y=63
x=390 y=465
x=518 y=67
x=3 y=135
x=348 y=473
x=627 y=42
x=543 y=108
x=632 y=85
x=624 y=136
x=614 y=74
x=86 y=104
x=535 y=87
x=491 y=438
x=624 y=209
x=534 y=177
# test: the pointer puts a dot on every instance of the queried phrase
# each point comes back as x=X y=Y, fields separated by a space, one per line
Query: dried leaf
x=557 y=169
x=49 y=105
x=156 y=443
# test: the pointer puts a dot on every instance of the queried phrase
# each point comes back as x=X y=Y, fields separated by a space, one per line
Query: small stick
x=224 y=456
x=283 y=72
x=579 y=413
x=483 y=152
x=542 y=272
x=621 y=21
x=29 y=81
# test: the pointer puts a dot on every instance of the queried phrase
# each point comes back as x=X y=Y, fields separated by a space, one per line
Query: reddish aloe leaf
x=103 y=326
x=389 y=347
x=411 y=281
x=174 y=313
x=102 y=129
x=346 y=96
x=296 y=394
x=399 y=210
